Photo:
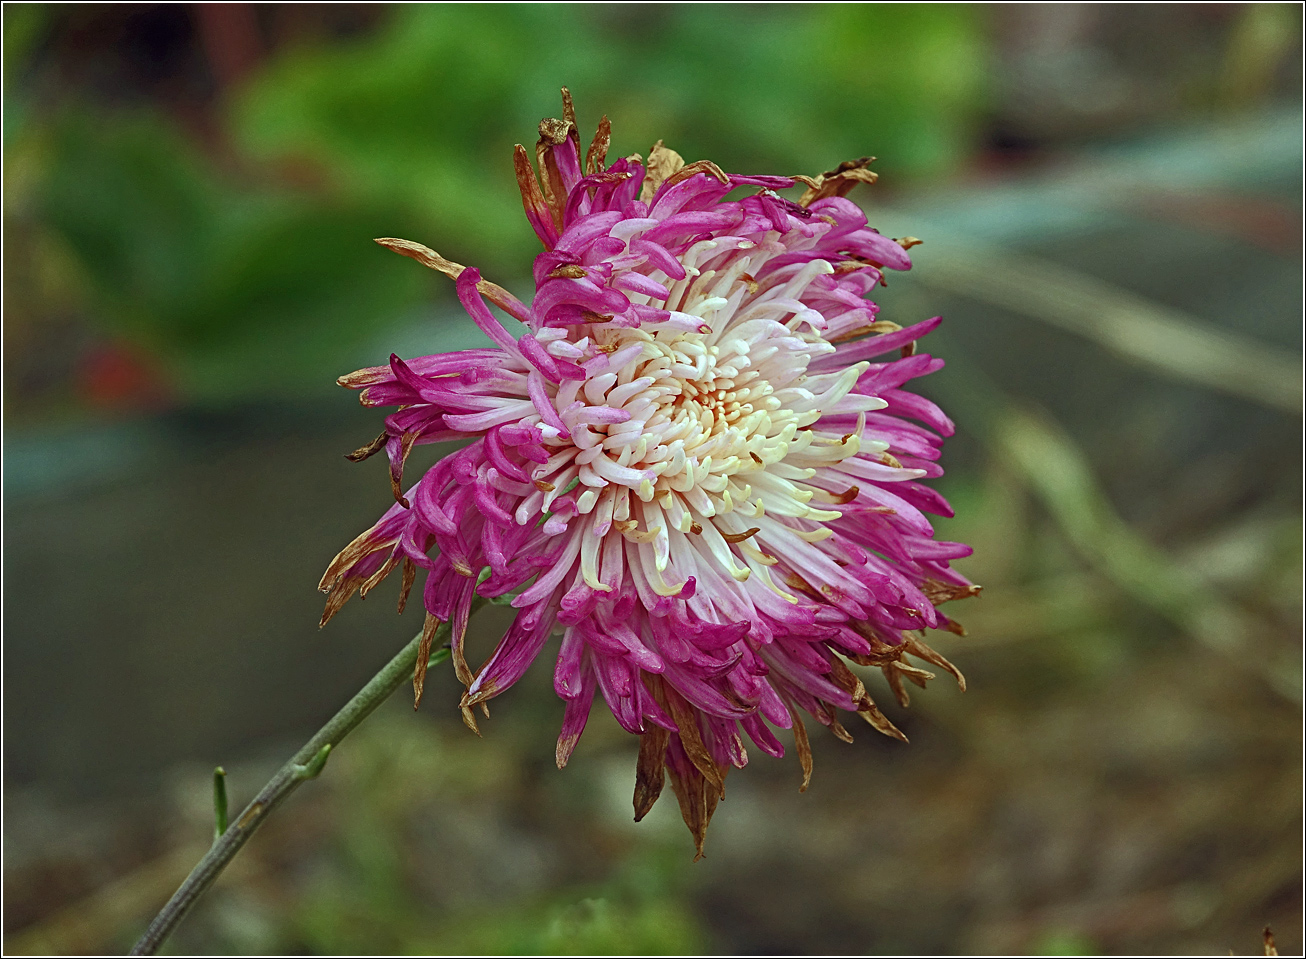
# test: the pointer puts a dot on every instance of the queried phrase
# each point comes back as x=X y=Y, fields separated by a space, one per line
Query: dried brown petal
x=662 y=163
x=597 y=156
x=894 y=677
x=916 y=646
x=837 y=182
x=880 y=722
x=568 y=108
x=694 y=169
x=687 y=725
x=698 y=799
x=371 y=449
x=375 y=579
x=429 y=258
x=364 y=377
x=429 y=629
x=802 y=745
x=939 y=592
x=649 y=772
x=406 y=584
x=397 y=469
x=568 y=271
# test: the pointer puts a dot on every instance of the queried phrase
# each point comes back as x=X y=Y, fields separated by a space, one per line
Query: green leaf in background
x=242 y=290
x=425 y=112
x=245 y=264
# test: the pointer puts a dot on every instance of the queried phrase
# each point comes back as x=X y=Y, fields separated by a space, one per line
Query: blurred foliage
x=1124 y=774
x=426 y=112
x=414 y=849
x=244 y=263
x=244 y=289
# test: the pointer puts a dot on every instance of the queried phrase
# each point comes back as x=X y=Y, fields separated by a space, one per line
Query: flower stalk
x=306 y=764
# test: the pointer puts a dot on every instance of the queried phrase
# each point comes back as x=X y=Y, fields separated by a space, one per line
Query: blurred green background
x=1110 y=198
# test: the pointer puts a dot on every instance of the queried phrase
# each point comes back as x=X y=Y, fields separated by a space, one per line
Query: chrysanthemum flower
x=697 y=463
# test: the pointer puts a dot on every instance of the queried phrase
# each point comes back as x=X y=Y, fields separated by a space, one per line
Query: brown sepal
x=482 y=698
x=337 y=596
x=469 y=719
x=429 y=629
x=649 y=769
x=422 y=254
x=371 y=449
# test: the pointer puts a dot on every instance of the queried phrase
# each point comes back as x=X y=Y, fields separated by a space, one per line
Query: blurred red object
x=121 y=376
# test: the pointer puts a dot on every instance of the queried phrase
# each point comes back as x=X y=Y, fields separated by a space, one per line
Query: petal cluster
x=698 y=463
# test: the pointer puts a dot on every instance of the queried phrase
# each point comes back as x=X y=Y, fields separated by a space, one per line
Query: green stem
x=219 y=802
x=304 y=765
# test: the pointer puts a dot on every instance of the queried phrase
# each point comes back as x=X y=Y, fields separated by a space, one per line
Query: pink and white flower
x=699 y=464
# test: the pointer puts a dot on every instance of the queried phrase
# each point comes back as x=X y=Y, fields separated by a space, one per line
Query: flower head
x=698 y=463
